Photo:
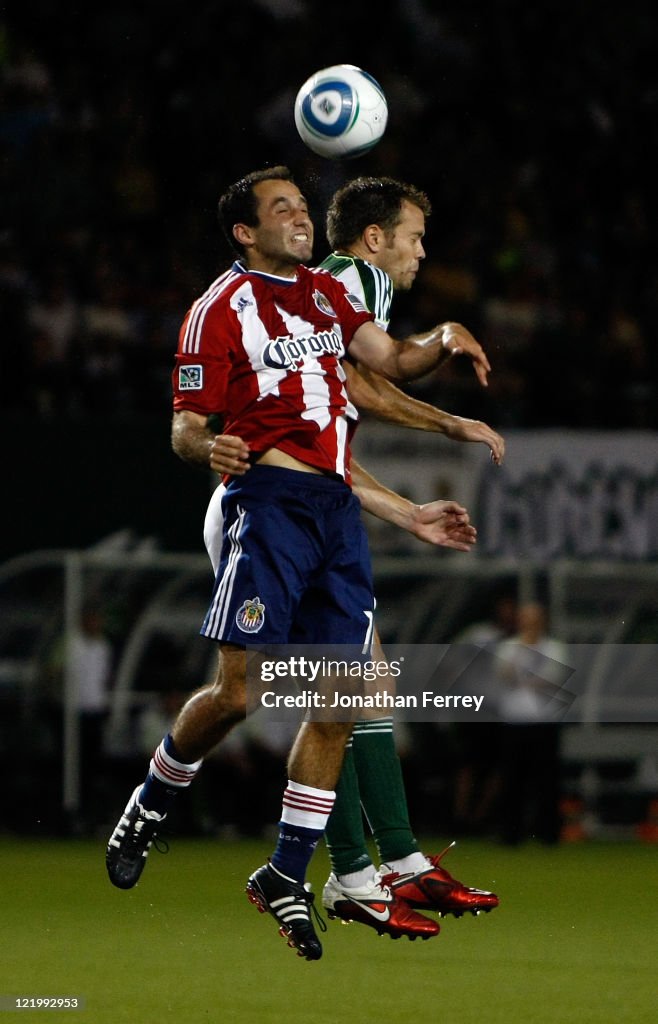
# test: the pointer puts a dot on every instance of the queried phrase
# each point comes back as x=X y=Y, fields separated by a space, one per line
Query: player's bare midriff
x=275 y=457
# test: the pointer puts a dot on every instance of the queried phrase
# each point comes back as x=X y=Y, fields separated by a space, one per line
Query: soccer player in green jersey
x=375 y=227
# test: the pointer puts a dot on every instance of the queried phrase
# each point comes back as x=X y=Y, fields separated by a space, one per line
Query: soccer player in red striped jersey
x=376 y=228
x=262 y=349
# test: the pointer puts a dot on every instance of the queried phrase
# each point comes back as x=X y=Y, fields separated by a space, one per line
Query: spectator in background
x=477 y=776
x=15 y=288
x=91 y=656
x=53 y=318
x=531 y=668
x=86 y=155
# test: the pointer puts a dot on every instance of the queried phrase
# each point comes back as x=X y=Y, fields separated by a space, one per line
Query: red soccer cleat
x=377 y=906
x=435 y=889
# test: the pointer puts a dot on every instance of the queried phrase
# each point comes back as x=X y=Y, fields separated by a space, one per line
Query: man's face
x=283 y=237
x=402 y=252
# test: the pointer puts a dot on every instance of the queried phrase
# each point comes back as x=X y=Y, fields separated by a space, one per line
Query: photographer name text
x=427 y=699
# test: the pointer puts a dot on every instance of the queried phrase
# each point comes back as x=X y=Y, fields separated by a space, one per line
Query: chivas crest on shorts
x=251 y=615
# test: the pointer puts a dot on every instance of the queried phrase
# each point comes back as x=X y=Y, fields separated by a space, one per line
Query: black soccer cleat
x=290 y=903
x=130 y=843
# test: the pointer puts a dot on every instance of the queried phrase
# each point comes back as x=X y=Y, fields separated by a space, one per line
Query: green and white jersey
x=372 y=285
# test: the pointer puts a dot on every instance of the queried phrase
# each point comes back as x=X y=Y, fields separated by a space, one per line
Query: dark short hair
x=238 y=205
x=365 y=201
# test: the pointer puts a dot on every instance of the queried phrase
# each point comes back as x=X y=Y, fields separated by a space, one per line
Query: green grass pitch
x=573 y=941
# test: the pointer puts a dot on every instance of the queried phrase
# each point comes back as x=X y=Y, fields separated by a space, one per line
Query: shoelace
x=436 y=860
x=390 y=877
x=319 y=920
x=136 y=837
x=384 y=882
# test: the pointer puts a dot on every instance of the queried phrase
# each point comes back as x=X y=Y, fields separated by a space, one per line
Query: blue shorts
x=294 y=566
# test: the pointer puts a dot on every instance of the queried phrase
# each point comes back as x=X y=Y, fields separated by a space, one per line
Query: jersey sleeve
x=376 y=289
x=369 y=283
x=200 y=375
x=351 y=310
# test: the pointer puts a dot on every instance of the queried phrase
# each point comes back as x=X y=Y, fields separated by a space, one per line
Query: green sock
x=381 y=785
x=345 y=835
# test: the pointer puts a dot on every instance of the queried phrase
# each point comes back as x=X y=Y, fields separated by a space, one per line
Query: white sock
x=307 y=807
x=408 y=865
x=356 y=879
x=168 y=770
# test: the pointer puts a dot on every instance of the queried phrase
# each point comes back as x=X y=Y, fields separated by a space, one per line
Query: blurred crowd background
x=533 y=129
x=533 y=132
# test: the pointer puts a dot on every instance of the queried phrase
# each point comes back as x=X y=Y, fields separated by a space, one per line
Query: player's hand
x=229 y=455
x=458 y=341
x=460 y=429
x=445 y=523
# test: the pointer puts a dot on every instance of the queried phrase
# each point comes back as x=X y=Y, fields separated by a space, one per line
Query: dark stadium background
x=532 y=128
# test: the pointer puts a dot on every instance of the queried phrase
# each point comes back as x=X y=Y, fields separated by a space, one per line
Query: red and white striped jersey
x=264 y=353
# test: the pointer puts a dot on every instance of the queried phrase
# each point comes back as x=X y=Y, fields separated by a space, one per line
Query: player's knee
x=333 y=732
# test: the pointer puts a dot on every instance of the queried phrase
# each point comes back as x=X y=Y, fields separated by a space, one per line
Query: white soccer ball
x=341 y=112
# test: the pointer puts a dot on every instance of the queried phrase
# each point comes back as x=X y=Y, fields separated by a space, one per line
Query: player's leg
x=354 y=891
x=338 y=610
x=417 y=879
x=206 y=717
x=288 y=549
x=324 y=617
x=313 y=769
x=210 y=713
x=278 y=886
x=381 y=784
x=383 y=795
x=345 y=835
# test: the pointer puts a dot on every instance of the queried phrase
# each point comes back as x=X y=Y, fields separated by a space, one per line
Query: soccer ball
x=341 y=112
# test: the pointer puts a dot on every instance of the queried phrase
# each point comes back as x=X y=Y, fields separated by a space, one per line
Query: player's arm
x=458 y=340
x=376 y=395
x=195 y=442
x=416 y=356
x=444 y=523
